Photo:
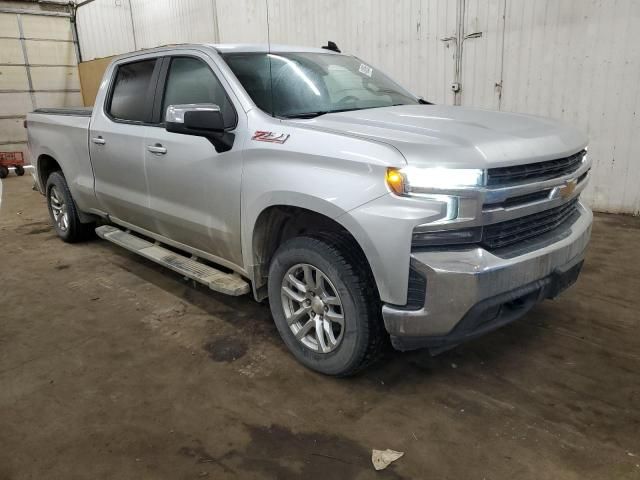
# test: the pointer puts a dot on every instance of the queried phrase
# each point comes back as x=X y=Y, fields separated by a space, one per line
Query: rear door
x=117 y=141
x=194 y=191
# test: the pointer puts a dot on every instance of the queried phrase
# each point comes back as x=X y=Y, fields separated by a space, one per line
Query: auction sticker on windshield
x=365 y=70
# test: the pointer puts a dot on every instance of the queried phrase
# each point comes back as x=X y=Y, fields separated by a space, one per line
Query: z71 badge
x=271 y=137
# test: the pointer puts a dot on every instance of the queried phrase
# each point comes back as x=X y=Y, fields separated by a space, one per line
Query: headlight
x=405 y=180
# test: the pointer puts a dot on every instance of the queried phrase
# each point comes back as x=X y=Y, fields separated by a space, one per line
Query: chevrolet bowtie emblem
x=568 y=188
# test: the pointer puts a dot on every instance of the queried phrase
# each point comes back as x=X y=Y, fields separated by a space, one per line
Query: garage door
x=38 y=68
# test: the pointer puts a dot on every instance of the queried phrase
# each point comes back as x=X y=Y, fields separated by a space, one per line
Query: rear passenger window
x=129 y=98
x=191 y=81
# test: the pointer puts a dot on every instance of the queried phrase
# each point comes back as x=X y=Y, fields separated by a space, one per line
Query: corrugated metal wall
x=568 y=59
x=579 y=61
x=105 y=28
x=109 y=27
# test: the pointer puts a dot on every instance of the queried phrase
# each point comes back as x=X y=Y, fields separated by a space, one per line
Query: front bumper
x=472 y=291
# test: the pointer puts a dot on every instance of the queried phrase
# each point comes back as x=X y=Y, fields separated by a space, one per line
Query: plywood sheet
x=91 y=74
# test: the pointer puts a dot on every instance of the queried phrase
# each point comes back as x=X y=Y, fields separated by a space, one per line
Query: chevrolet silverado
x=309 y=178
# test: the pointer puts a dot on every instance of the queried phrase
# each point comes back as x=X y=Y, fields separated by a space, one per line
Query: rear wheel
x=19 y=170
x=325 y=305
x=4 y=171
x=63 y=210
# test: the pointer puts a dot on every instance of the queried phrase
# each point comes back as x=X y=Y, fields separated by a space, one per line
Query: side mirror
x=202 y=120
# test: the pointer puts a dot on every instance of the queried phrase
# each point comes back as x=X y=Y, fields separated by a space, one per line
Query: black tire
x=363 y=338
x=4 y=171
x=75 y=231
x=19 y=169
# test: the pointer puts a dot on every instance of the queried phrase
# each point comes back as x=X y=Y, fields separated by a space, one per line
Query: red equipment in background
x=11 y=159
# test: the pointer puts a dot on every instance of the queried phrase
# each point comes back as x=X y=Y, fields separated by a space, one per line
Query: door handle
x=98 y=140
x=157 y=149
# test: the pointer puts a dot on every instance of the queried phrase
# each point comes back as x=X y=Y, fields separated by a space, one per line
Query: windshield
x=311 y=84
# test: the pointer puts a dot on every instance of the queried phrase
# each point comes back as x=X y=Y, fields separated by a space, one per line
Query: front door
x=194 y=191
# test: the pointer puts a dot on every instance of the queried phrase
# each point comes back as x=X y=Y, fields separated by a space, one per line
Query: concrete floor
x=111 y=367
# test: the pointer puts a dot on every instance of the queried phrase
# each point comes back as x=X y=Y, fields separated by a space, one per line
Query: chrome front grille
x=507 y=233
x=533 y=200
x=532 y=172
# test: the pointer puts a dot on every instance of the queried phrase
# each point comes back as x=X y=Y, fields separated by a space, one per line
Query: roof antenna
x=266 y=2
x=332 y=46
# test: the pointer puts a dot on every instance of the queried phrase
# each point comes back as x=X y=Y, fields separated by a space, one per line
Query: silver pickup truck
x=309 y=178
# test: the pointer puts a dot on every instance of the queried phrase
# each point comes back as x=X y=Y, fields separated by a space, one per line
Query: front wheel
x=19 y=169
x=4 y=171
x=325 y=305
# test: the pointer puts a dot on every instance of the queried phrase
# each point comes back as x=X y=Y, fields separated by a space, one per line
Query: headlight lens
x=405 y=180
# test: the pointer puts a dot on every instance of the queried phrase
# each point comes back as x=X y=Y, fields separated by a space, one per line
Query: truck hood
x=441 y=135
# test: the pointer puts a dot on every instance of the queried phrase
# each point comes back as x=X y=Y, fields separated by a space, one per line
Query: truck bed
x=63 y=134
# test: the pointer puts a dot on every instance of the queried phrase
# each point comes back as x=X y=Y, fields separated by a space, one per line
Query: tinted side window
x=191 y=81
x=129 y=99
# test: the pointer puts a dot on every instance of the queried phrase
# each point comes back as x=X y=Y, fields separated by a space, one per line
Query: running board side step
x=227 y=283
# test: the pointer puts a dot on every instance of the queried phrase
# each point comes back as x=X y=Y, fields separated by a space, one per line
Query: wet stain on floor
x=226 y=349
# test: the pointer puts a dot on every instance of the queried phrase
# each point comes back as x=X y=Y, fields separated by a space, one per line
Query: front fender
x=281 y=198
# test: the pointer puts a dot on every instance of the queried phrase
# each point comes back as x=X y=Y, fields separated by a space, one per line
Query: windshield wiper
x=306 y=114
x=322 y=112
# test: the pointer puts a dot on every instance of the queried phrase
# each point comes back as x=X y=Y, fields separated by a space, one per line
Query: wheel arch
x=45 y=165
x=279 y=222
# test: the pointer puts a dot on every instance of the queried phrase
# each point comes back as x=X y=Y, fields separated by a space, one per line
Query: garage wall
x=579 y=61
x=38 y=66
x=575 y=60
x=137 y=24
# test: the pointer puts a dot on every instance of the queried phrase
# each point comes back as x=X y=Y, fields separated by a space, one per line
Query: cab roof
x=264 y=48
x=224 y=48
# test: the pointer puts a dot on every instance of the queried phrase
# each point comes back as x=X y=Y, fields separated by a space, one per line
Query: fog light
x=436 y=238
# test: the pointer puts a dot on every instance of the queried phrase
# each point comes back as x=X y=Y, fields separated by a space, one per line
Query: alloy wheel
x=312 y=308
x=59 y=209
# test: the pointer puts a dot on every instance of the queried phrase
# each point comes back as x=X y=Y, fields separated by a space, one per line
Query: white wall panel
x=55 y=78
x=58 y=99
x=9 y=25
x=52 y=28
x=14 y=103
x=13 y=78
x=50 y=53
x=482 y=57
x=12 y=130
x=162 y=22
x=578 y=60
x=242 y=21
x=11 y=52
x=104 y=29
